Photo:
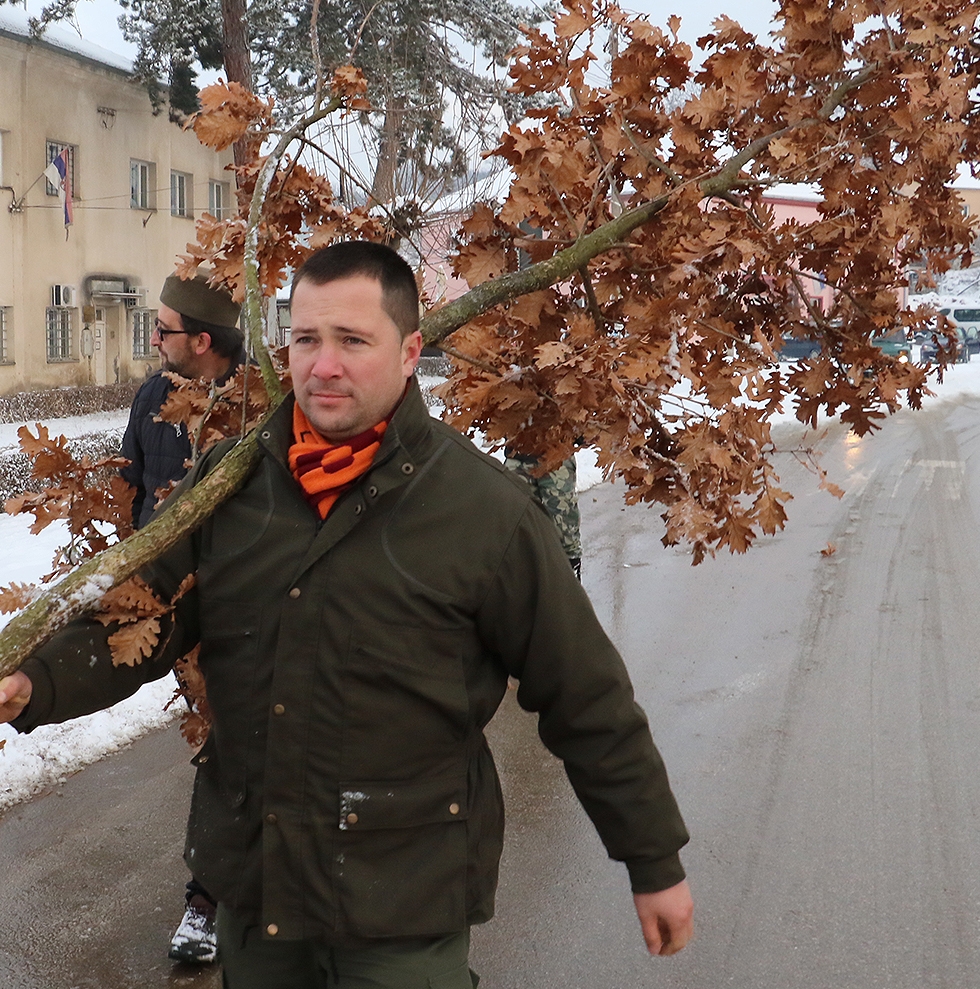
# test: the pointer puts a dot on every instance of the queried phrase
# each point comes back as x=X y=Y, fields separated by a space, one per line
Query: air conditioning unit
x=64 y=296
x=137 y=300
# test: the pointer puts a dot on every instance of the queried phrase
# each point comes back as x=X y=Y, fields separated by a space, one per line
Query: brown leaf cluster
x=195 y=723
x=213 y=412
x=229 y=112
x=660 y=352
x=89 y=495
x=300 y=214
x=137 y=610
x=96 y=505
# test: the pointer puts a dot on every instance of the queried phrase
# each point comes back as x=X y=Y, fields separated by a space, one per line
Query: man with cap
x=197 y=335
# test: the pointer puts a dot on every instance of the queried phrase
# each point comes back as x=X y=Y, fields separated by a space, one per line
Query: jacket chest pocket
x=406 y=709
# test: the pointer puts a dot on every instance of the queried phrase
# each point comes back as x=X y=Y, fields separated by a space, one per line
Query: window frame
x=6 y=355
x=143 y=333
x=142 y=182
x=59 y=340
x=51 y=151
x=219 y=195
x=181 y=199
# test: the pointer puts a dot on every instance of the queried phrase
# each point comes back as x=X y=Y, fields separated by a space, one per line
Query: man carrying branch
x=359 y=605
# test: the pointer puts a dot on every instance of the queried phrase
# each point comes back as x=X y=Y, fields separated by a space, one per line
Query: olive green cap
x=195 y=298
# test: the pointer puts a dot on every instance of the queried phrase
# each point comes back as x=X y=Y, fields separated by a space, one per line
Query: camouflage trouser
x=556 y=494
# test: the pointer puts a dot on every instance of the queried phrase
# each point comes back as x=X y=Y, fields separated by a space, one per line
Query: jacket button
x=407 y=469
x=454 y=808
x=271 y=818
x=295 y=592
x=358 y=509
x=279 y=709
x=272 y=929
x=373 y=491
x=352 y=818
x=202 y=760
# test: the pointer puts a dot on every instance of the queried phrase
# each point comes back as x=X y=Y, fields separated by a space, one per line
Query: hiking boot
x=195 y=941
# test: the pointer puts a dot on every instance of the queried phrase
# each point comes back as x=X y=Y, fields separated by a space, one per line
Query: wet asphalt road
x=820 y=716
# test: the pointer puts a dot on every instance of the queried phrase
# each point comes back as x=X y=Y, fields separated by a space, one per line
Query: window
x=52 y=150
x=60 y=323
x=142 y=182
x=283 y=322
x=218 y=199
x=181 y=185
x=143 y=320
x=6 y=354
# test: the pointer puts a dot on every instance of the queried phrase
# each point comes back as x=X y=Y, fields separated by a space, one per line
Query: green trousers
x=251 y=962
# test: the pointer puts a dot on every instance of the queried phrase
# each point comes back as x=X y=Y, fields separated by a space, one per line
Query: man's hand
x=666 y=918
x=15 y=692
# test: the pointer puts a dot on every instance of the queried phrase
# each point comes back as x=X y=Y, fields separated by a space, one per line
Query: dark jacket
x=158 y=451
x=346 y=790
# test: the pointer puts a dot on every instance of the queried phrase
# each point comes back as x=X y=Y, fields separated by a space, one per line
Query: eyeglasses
x=162 y=331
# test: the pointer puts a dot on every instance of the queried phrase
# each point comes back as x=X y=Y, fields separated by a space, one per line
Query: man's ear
x=201 y=344
x=411 y=351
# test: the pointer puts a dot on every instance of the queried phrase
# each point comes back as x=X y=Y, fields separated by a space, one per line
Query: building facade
x=77 y=302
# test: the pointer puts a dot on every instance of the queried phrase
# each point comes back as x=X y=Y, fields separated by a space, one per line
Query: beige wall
x=47 y=94
x=971 y=199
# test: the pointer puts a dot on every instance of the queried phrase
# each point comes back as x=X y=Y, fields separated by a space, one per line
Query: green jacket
x=346 y=790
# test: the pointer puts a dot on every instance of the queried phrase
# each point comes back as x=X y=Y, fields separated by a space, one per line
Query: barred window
x=143 y=320
x=6 y=352
x=59 y=332
x=51 y=151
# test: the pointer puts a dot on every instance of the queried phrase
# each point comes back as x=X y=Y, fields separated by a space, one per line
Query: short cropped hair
x=399 y=292
x=226 y=341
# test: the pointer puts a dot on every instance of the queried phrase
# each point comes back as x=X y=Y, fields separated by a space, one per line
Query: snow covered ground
x=32 y=763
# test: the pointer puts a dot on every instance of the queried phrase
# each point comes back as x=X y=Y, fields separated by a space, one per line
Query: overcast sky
x=97 y=18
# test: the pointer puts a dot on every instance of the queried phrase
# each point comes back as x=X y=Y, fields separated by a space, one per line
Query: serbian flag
x=59 y=173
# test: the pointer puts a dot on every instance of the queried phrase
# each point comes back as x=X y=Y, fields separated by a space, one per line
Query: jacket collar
x=403 y=449
x=406 y=438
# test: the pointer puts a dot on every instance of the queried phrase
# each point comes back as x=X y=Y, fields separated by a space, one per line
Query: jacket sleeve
x=540 y=622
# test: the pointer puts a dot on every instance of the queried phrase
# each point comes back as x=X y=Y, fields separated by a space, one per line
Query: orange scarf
x=325 y=471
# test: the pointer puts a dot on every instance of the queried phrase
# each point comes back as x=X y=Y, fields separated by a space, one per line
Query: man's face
x=347 y=357
x=177 y=349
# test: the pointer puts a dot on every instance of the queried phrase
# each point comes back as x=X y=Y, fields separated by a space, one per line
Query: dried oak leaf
x=196 y=722
x=130 y=602
x=228 y=110
x=134 y=641
x=13 y=597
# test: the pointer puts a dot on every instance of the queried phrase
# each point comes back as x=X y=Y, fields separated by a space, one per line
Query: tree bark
x=383 y=184
x=237 y=57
